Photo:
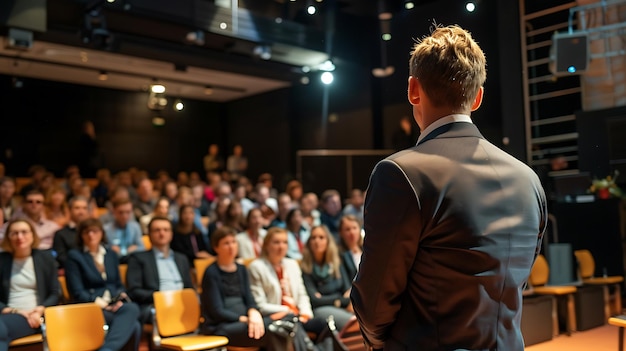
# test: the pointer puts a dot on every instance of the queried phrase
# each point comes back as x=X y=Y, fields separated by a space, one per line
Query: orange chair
x=200 y=265
x=63 y=284
x=537 y=280
x=176 y=319
x=83 y=321
x=147 y=244
x=26 y=341
x=586 y=269
x=123 y=267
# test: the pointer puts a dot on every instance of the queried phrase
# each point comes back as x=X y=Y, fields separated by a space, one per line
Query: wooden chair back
x=74 y=327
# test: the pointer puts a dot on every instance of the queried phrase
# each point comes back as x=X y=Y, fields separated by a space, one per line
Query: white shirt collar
x=443 y=121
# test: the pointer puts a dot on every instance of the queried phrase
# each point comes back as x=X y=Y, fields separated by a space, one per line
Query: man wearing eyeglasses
x=32 y=209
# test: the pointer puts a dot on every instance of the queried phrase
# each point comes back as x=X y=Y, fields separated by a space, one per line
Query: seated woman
x=277 y=285
x=92 y=274
x=187 y=237
x=250 y=241
x=228 y=306
x=28 y=282
x=324 y=278
x=298 y=233
x=55 y=206
x=352 y=245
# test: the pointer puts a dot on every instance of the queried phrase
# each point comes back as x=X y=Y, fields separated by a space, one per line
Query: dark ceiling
x=191 y=46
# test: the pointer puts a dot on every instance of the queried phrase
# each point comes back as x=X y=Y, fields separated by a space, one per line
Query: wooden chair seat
x=27 y=340
x=603 y=280
x=554 y=290
x=193 y=342
x=242 y=348
x=619 y=321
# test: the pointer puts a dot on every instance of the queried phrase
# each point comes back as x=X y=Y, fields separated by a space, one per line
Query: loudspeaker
x=569 y=53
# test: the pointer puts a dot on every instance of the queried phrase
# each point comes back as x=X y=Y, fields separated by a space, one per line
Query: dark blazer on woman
x=142 y=277
x=212 y=297
x=348 y=265
x=45 y=275
x=84 y=282
x=331 y=288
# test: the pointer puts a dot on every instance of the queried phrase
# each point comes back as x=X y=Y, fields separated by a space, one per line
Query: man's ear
x=479 y=99
x=413 y=92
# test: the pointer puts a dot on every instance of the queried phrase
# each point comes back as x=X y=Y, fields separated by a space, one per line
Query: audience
x=92 y=274
x=9 y=203
x=28 y=282
x=188 y=238
x=330 y=212
x=351 y=244
x=144 y=204
x=66 y=238
x=32 y=209
x=250 y=241
x=158 y=269
x=298 y=233
x=124 y=232
x=55 y=206
x=277 y=284
x=236 y=164
x=228 y=307
x=325 y=280
x=161 y=208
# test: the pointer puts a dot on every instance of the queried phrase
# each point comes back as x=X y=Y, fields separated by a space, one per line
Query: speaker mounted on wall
x=569 y=53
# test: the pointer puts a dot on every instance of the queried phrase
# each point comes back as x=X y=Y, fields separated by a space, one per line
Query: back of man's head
x=450 y=66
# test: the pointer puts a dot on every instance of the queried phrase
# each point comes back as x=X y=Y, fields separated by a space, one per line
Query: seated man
x=157 y=269
x=124 y=233
x=65 y=238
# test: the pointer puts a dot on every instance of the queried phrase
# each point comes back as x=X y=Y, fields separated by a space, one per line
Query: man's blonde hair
x=450 y=66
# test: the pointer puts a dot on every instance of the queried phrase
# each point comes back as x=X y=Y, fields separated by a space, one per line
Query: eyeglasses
x=38 y=202
x=15 y=234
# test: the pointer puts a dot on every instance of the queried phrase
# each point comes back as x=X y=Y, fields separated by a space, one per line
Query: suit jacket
x=85 y=283
x=213 y=298
x=142 y=276
x=45 y=275
x=347 y=262
x=266 y=287
x=452 y=228
x=64 y=241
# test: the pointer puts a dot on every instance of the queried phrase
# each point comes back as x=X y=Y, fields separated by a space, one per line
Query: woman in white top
x=277 y=285
x=28 y=281
x=250 y=241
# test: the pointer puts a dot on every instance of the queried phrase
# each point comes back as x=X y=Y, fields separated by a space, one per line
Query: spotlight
x=178 y=105
x=223 y=26
x=470 y=6
x=327 y=78
x=386 y=36
x=327 y=66
x=95 y=30
x=157 y=88
x=409 y=5
x=311 y=10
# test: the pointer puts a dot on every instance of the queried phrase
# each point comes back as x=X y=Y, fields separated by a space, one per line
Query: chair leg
x=607 y=302
x=620 y=338
x=555 y=316
x=618 y=299
x=571 y=314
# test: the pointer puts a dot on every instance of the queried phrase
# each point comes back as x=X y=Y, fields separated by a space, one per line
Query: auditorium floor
x=602 y=338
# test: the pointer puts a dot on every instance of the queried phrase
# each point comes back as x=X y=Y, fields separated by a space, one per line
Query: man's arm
x=392 y=233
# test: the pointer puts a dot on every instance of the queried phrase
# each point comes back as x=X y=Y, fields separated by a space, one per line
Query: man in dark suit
x=157 y=269
x=65 y=238
x=453 y=224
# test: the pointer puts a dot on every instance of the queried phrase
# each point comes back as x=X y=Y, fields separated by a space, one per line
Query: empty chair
x=586 y=269
x=538 y=278
x=176 y=320
x=74 y=327
x=27 y=340
x=619 y=321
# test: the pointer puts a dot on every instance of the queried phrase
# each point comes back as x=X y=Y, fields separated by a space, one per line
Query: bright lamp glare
x=470 y=6
x=158 y=88
x=311 y=10
x=409 y=5
x=327 y=78
x=386 y=36
x=179 y=106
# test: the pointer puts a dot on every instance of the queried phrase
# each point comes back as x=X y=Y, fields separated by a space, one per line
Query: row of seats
x=538 y=286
